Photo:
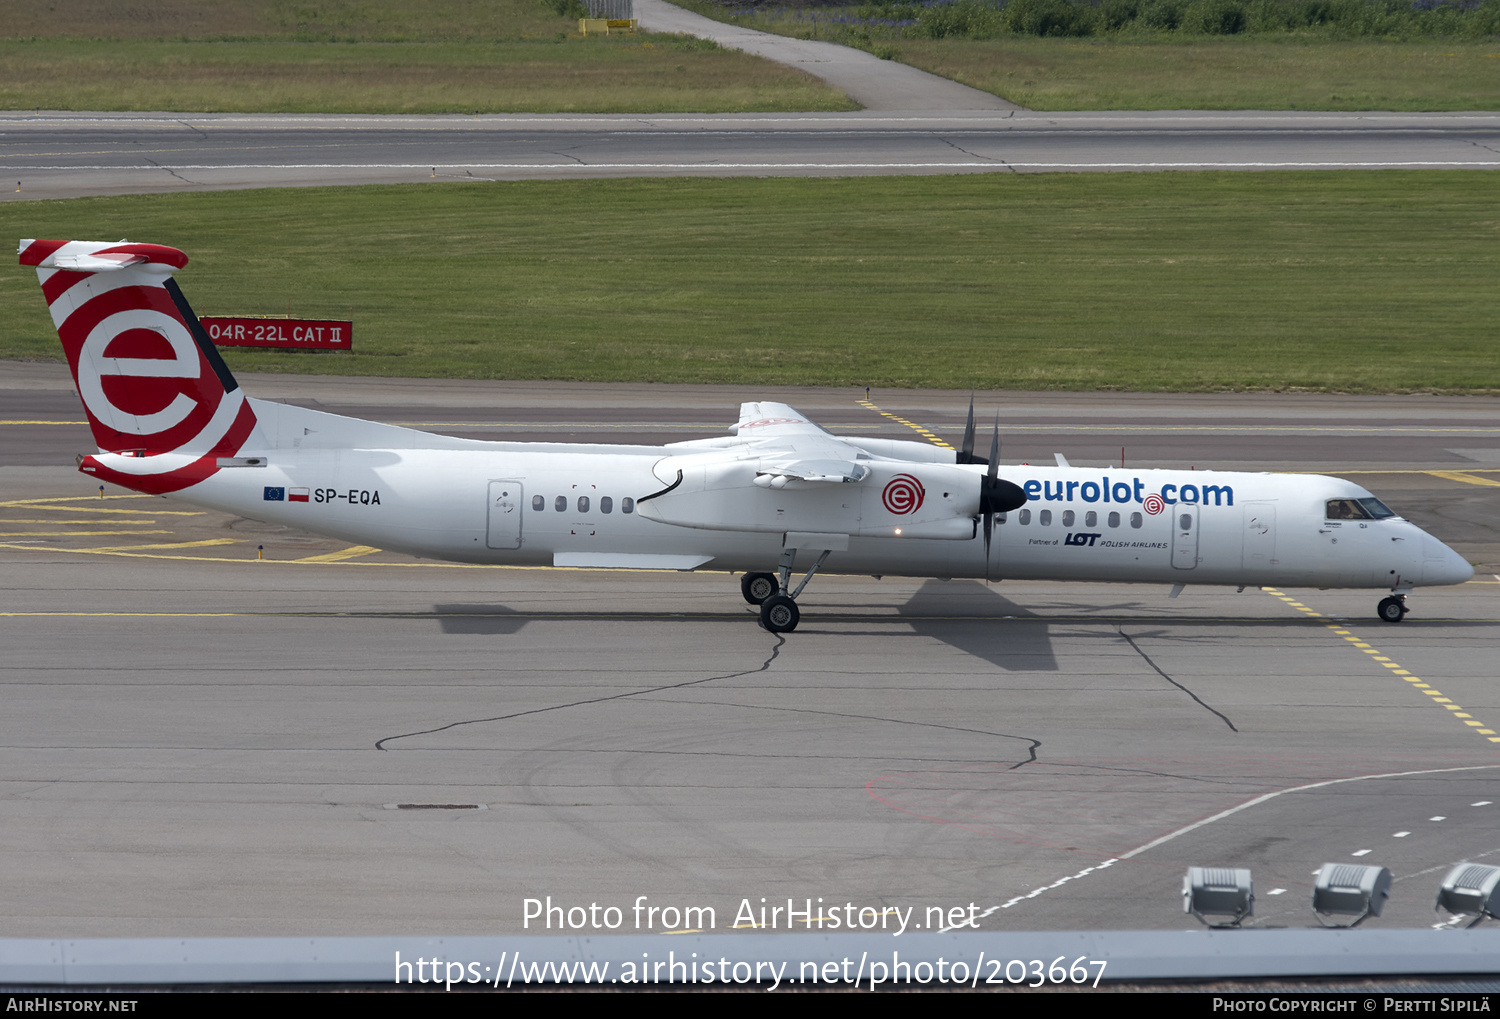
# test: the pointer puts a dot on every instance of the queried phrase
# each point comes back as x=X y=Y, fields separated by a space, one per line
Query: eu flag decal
x=275 y=494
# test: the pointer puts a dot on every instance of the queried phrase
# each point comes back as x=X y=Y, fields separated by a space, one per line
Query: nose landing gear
x=1392 y=609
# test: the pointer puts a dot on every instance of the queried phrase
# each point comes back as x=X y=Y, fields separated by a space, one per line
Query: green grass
x=1237 y=73
x=1141 y=70
x=384 y=56
x=1361 y=282
x=641 y=74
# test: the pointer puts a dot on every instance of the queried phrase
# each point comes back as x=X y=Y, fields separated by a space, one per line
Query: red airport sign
x=289 y=333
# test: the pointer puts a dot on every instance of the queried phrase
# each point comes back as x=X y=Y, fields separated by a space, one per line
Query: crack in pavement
x=1031 y=751
x=173 y=172
x=1169 y=679
x=972 y=155
x=775 y=651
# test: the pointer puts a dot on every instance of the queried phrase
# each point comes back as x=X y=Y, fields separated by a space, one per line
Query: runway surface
x=55 y=155
x=338 y=740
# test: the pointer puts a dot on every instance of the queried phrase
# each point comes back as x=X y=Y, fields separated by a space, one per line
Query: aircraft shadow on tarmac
x=961 y=613
x=492 y=620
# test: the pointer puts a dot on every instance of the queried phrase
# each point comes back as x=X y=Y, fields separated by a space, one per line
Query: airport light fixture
x=1218 y=891
x=1471 y=889
x=1347 y=889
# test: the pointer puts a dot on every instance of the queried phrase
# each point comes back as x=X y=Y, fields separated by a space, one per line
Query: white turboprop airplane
x=169 y=419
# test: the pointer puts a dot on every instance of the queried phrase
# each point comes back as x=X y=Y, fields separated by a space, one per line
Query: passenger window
x=538 y=503
x=1135 y=520
x=606 y=504
x=1185 y=522
x=1001 y=517
x=561 y=504
x=1114 y=519
x=627 y=505
x=1067 y=518
x=1025 y=517
x=1044 y=518
x=1091 y=519
x=583 y=504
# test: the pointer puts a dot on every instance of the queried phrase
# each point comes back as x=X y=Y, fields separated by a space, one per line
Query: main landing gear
x=778 y=606
x=757 y=587
x=1392 y=609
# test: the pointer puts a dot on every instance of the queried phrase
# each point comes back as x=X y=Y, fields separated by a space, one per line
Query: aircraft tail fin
x=163 y=406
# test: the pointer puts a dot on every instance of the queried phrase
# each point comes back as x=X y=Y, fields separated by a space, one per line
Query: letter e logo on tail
x=152 y=383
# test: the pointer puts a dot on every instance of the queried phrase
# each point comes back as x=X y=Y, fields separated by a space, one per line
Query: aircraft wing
x=764 y=420
x=785 y=447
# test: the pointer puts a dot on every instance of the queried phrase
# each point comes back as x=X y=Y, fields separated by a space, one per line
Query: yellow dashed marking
x=1456 y=710
x=352 y=552
x=902 y=421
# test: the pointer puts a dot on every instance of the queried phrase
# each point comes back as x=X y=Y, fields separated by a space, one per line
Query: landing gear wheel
x=757 y=587
x=1392 y=609
x=779 y=614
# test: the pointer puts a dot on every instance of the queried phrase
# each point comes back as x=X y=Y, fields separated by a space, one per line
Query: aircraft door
x=1184 y=536
x=1258 y=548
x=503 y=529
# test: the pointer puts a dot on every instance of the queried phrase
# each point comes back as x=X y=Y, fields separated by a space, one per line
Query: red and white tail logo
x=153 y=385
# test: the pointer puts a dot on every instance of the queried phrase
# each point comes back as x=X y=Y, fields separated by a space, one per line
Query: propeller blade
x=994 y=470
x=966 y=450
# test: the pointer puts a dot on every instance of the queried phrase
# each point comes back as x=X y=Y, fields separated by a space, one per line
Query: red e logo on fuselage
x=903 y=495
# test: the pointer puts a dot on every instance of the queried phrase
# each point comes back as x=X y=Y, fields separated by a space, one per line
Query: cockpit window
x=1346 y=509
x=1358 y=509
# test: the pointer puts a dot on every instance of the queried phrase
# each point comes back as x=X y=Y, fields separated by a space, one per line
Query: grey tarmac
x=336 y=740
x=69 y=155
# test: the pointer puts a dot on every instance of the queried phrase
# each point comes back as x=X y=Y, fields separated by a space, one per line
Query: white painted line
x=1401 y=835
x=1257 y=801
x=1276 y=891
x=1254 y=802
x=1360 y=852
x=716 y=166
x=1440 y=817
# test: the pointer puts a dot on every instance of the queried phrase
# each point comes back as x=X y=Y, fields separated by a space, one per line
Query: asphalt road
x=339 y=740
x=70 y=155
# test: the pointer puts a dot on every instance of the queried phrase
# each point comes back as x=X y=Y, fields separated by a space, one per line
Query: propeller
x=995 y=494
x=966 y=453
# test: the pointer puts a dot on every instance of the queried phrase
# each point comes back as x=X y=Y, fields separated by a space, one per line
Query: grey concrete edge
x=1127 y=955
